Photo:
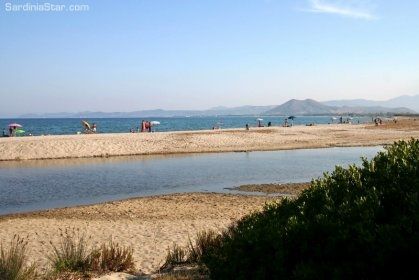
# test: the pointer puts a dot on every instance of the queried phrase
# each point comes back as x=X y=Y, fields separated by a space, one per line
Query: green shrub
x=359 y=222
x=13 y=260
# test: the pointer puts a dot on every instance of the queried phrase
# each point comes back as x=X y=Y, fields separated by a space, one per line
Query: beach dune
x=229 y=140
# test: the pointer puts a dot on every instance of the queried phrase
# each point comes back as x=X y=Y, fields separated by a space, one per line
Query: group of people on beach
x=88 y=129
x=14 y=130
x=269 y=124
x=146 y=126
x=7 y=135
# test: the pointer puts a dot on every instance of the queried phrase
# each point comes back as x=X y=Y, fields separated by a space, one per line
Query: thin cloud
x=334 y=7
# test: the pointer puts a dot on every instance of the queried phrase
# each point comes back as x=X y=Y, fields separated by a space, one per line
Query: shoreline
x=52 y=212
x=270 y=190
x=205 y=141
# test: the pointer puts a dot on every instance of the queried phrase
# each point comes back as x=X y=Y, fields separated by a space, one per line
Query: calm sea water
x=35 y=185
x=115 y=125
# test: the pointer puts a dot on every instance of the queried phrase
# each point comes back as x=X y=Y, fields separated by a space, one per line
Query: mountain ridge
x=313 y=107
x=291 y=107
x=408 y=101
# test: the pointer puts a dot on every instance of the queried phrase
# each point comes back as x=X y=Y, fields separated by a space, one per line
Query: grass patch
x=71 y=253
x=13 y=261
x=203 y=241
x=76 y=256
x=113 y=257
x=175 y=256
x=190 y=255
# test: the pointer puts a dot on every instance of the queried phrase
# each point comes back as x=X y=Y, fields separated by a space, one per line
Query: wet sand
x=290 y=189
x=257 y=139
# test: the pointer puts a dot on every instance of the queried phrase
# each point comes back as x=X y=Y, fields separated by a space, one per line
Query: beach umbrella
x=14 y=125
x=86 y=125
x=154 y=122
x=259 y=119
x=292 y=119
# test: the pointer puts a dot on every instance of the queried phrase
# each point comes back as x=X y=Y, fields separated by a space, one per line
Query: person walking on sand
x=247 y=126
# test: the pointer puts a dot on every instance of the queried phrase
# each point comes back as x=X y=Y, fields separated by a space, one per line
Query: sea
x=68 y=126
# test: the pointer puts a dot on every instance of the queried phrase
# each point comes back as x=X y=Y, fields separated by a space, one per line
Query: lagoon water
x=117 y=125
x=36 y=185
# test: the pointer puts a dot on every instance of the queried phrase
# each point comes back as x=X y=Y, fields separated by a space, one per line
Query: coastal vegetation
x=74 y=254
x=72 y=258
x=358 y=222
x=13 y=261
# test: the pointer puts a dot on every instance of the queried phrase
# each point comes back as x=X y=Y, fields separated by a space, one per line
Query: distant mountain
x=238 y=111
x=361 y=110
x=351 y=103
x=408 y=101
x=216 y=111
x=312 y=107
x=300 y=107
x=399 y=105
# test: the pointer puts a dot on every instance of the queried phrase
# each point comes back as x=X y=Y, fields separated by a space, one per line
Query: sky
x=128 y=55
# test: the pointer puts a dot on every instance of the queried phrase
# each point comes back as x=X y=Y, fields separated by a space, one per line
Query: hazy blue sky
x=195 y=54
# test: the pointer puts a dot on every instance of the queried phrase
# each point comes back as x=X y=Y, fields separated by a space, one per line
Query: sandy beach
x=149 y=225
x=229 y=140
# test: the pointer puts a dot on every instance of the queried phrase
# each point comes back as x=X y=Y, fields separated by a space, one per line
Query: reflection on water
x=33 y=185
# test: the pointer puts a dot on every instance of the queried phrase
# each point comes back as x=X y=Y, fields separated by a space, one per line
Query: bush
x=13 y=260
x=204 y=240
x=359 y=222
x=192 y=254
x=175 y=256
x=113 y=257
x=74 y=254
